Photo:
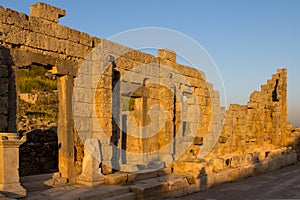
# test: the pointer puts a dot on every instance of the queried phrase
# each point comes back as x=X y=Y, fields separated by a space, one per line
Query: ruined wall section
x=256 y=138
x=40 y=33
x=40 y=39
x=145 y=78
x=202 y=116
x=293 y=138
x=258 y=126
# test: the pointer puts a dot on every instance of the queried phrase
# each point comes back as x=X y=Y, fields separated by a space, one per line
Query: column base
x=91 y=180
x=13 y=190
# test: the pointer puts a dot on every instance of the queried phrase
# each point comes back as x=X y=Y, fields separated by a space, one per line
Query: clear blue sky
x=248 y=40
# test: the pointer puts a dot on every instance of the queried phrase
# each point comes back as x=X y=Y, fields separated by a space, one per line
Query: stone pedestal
x=9 y=165
x=91 y=173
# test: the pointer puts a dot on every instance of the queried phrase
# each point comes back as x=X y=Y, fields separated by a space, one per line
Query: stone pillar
x=9 y=165
x=65 y=128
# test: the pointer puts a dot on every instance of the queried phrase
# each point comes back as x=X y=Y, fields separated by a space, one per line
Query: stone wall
x=181 y=91
x=39 y=39
x=188 y=127
x=43 y=35
x=261 y=124
x=293 y=138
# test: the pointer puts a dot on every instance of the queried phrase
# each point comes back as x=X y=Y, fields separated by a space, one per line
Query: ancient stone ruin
x=128 y=118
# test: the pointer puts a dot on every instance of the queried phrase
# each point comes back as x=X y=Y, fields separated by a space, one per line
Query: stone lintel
x=47 y=12
x=61 y=67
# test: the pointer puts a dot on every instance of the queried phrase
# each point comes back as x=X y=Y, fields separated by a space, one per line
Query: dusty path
x=280 y=184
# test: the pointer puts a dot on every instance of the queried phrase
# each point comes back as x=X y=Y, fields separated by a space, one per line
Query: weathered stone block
x=60 y=31
x=16 y=35
x=73 y=35
x=42 y=26
x=74 y=49
x=176 y=184
x=17 y=19
x=2 y=15
x=217 y=164
x=47 y=12
x=148 y=190
x=167 y=54
x=116 y=178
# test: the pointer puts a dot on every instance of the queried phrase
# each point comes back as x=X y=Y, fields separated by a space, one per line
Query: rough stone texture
x=253 y=135
x=261 y=124
x=46 y=12
x=293 y=138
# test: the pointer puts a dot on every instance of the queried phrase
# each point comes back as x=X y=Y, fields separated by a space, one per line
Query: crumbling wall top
x=167 y=54
x=47 y=12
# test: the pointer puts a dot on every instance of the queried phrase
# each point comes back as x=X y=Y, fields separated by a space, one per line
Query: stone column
x=65 y=128
x=9 y=165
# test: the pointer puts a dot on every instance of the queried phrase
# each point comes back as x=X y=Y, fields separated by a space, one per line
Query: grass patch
x=35 y=79
x=32 y=80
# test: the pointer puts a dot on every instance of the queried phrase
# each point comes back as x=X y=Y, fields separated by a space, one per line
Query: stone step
x=123 y=178
x=108 y=193
x=43 y=181
x=40 y=177
x=126 y=196
x=75 y=192
x=168 y=185
x=148 y=174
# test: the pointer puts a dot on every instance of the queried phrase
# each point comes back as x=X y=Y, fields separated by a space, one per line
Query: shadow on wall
x=39 y=154
x=202 y=178
x=8 y=94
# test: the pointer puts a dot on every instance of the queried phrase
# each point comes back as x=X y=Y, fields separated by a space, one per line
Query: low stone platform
x=105 y=192
x=43 y=181
x=151 y=184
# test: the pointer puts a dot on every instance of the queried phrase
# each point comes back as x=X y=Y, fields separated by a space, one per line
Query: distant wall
x=261 y=124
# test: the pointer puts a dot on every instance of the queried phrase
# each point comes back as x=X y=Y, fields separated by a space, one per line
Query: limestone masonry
x=119 y=135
